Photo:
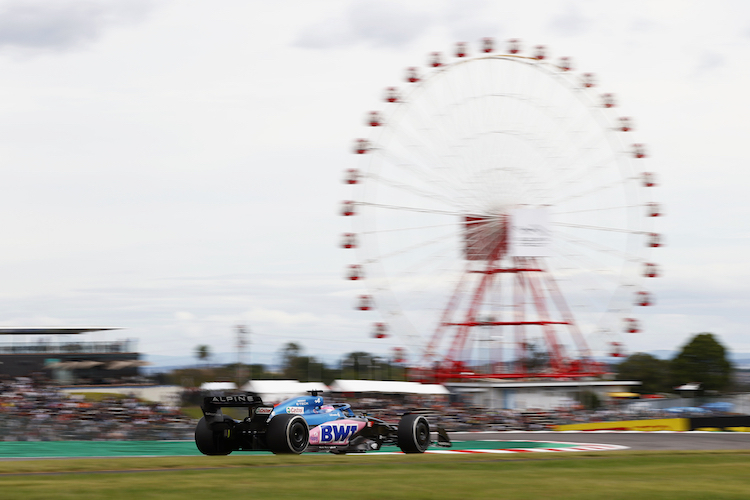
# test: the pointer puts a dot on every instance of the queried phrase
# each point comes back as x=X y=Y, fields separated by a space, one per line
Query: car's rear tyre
x=413 y=434
x=212 y=441
x=287 y=434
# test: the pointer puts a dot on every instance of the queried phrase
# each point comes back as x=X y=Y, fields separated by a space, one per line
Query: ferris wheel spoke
x=431 y=176
x=431 y=195
x=407 y=209
x=600 y=209
x=595 y=190
x=600 y=228
x=401 y=251
x=599 y=248
x=408 y=228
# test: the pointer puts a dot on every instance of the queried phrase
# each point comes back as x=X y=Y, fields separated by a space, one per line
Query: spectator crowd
x=31 y=410
x=35 y=410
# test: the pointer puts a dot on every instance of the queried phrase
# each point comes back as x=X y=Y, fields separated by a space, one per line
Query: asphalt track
x=516 y=441
x=695 y=440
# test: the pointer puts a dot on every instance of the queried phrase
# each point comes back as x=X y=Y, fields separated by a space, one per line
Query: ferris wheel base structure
x=502 y=216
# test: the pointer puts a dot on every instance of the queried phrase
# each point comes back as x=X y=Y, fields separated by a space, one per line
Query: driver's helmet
x=326 y=409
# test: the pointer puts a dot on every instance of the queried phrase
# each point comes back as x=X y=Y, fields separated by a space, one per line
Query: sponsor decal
x=263 y=410
x=337 y=433
x=232 y=399
x=301 y=402
x=296 y=410
x=318 y=401
x=333 y=433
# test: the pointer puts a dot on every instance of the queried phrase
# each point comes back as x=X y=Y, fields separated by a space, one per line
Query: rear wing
x=212 y=406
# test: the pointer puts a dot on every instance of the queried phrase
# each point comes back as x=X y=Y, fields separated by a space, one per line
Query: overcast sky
x=174 y=168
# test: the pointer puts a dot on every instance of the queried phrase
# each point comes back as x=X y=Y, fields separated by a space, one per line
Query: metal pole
x=242 y=333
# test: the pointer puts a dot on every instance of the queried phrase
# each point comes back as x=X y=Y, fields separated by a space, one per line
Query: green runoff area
x=82 y=449
x=578 y=475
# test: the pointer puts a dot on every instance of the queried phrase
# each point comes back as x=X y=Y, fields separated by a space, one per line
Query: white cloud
x=570 y=22
x=181 y=175
x=370 y=23
x=59 y=25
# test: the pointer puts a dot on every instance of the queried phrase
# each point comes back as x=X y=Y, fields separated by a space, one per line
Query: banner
x=662 y=424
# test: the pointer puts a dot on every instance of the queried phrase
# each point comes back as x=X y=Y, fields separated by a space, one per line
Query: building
x=544 y=395
x=63 y=356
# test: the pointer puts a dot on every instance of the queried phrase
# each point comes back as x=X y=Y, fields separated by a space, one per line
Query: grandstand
x=60 y=355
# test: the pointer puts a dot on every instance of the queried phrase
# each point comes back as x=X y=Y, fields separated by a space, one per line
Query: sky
x=174 y=168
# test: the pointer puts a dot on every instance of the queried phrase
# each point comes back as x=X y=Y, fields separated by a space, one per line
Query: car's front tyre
x=413 y=433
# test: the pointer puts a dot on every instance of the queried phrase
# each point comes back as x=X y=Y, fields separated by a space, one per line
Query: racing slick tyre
x=413 y=433
x=212 y=441
x=287 y=434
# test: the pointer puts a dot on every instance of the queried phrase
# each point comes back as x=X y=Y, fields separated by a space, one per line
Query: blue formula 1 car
x=305 y=423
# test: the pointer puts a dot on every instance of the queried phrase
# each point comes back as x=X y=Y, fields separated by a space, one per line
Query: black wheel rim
x=423 y=436
x=298 y=436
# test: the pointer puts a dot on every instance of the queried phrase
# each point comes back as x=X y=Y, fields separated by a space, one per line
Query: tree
x=703 y=360
x=289 y=354
x=653 y=373
x=535 y=359
x=357 y=365
x=295 y=366
x=203 y=352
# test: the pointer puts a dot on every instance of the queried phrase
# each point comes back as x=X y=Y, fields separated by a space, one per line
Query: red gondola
x=565 y=64
x=588 y=80
x=411 y=75
x=626 y=124
x=649 y=180
x=364 y=303
x=643 y=298
x=399 y=355
x=347 y=208
x=349 y=240
x=488 y=45
x=631 y=325
x=514 y=46
x=435 y=60
x=650 y=270
x=380 y=331
x=461 y=49
x=373 y=119
x=654 y=240
x=608 y=101
x=540 y=53
x=391 y=94
x=653 y=209
x=361 y=146
x=639 y=151
x=354 y=272
x=351 y=176
x=616 y=350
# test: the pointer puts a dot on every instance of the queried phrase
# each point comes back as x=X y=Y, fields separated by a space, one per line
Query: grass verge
x=610 y=475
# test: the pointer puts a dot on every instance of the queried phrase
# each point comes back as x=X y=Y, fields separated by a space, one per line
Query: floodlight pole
x=242 y=340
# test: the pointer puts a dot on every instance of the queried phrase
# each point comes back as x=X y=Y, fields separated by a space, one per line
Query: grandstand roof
x=51 y=330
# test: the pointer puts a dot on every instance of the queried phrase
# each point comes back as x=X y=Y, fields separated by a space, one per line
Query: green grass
x=608 y=475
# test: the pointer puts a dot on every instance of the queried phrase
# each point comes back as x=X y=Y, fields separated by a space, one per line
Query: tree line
x=702 y=359
x=294 y=365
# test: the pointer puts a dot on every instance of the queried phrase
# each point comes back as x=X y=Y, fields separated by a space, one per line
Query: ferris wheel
x=501 y=212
